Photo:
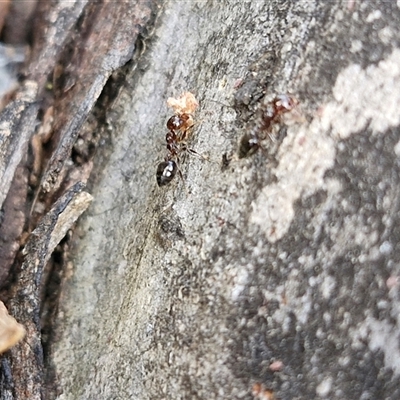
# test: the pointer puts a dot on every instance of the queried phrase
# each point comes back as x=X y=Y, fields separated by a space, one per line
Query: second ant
x=271 y=114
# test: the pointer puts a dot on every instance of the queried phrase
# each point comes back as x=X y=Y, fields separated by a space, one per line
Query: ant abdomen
x=249 y=144
x=166 y=171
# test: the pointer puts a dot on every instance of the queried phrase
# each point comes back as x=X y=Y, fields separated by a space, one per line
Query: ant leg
x=192 y=152
x=272 y=137
x=196 y=154
x=178 y=163
x=181 y=176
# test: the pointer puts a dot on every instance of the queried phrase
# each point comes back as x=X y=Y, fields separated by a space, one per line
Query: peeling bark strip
x=105 y=42
x=26 y=359
x=17 y=123
x=13 y=221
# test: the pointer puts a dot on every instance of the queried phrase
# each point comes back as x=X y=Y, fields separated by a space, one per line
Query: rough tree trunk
x=273 y=276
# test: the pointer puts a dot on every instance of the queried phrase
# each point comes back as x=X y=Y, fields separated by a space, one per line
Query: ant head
x=166 y=172
x=180 y=122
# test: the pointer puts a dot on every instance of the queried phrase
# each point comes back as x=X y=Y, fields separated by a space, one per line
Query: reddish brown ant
x=271 y=114
x=178 y=126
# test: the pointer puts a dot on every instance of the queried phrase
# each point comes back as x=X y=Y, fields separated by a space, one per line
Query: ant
x=271 y=114
x=178 y=131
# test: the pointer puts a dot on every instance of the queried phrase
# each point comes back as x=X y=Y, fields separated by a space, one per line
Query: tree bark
x=271 y=276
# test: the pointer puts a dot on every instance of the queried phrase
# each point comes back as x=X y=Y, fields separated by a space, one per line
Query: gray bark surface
x=200 y=289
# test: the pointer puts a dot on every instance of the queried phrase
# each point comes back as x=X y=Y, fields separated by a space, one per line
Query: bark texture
x=274 y=276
